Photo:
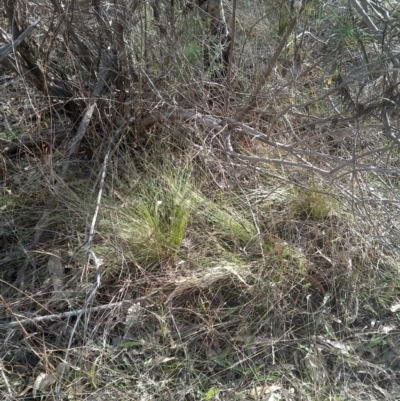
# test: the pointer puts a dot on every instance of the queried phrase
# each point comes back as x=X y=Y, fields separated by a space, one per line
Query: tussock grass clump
x=156 y=213
x=227 y=220
x=312 y=204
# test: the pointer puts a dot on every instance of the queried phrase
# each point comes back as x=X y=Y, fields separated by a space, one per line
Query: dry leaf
x=267 y=393
x=56 y=271
x=134 y=312
x=42 y=381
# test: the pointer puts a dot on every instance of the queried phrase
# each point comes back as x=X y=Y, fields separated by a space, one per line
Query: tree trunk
x=216 y=57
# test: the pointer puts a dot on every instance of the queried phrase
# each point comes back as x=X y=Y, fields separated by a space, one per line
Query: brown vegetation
x=199 y=200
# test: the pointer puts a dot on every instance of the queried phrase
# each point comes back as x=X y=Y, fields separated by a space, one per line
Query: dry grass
x=204 y=277
x=272 y=291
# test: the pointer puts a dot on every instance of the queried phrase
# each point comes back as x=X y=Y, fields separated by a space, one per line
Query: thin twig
x=253 y=97
x=3 y=375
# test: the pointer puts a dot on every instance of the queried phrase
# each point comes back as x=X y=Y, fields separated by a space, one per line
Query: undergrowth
x=249 y=294
x=184 y=273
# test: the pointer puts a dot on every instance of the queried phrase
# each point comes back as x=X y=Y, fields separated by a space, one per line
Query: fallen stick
x=63 y=315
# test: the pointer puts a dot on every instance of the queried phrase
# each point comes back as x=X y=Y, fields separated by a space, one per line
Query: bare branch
x=7 y=49
x=253 y=97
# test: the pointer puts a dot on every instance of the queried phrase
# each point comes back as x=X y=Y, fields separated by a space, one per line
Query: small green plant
x=194 y=53
x=348 y=33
